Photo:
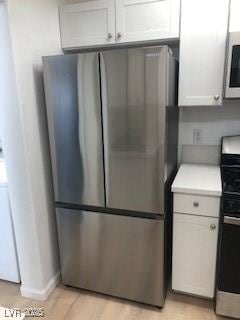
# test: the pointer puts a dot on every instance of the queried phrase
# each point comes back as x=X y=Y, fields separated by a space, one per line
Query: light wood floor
x=72 y=304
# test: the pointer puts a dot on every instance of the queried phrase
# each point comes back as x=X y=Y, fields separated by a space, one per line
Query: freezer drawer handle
x=232 y=220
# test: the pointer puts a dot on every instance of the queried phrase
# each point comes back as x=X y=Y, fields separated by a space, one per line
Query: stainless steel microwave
x=233 y=66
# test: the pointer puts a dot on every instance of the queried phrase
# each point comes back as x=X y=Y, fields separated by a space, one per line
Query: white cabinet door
x=202 y=51
x=141 y=20
x=8 y=255
x=88 y=23
x=194 y=254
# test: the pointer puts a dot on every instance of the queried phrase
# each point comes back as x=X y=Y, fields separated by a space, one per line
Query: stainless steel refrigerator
x=112 y=122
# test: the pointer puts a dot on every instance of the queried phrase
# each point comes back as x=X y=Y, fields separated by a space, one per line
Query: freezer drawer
x=112 y=254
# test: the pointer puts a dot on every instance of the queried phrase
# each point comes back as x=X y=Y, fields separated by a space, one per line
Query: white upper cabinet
x=202 y=52
x=88 y=23
x=234 y=23
x=142 y=20
x=102 y=22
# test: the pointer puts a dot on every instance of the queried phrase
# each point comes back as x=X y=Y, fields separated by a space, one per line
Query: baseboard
x=41 y=294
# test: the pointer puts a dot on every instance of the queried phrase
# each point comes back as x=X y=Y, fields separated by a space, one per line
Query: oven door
x=231 y=180
x=233 y=69
x=228 y=294
x=229 y=274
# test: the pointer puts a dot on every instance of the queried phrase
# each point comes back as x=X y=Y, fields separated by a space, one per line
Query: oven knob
x=195 y=204
x=212 y=226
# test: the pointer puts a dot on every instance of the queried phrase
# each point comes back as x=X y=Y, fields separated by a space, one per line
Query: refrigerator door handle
x=104 y=98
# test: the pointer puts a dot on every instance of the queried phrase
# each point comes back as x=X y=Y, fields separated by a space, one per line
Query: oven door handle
x=232 y=220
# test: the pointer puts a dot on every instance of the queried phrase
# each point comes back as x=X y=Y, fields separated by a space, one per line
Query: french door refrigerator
x=112 y=125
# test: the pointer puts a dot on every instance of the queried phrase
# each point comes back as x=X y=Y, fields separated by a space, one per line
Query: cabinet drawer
x=196 y=204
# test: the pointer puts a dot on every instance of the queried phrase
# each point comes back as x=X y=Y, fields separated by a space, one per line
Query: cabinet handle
x=216 y=97
x=119 y=35
x=212 y=226
x=196 y=204
x=232 y=220
x=109 y=36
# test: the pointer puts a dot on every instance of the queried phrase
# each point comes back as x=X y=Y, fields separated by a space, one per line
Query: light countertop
x=3 y=174
x=198 y=179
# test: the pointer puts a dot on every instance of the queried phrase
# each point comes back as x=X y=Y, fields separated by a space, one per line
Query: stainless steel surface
x=212 y=226
x=232 y=220
x=233 y=41
x=216 y=97
x=228 y=304
x=116 y=255
x=74 y=118
x=135 y=95
x=231 y=145
x=196 y=204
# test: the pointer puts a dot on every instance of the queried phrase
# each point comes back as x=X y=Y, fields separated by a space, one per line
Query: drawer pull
x=196 y=204
x=212 y=226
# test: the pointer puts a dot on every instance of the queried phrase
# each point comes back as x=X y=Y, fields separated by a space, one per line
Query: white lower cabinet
x=8 y=255
x=194 y=254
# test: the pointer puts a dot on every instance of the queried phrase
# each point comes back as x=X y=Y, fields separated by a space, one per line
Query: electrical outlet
x=197 y=136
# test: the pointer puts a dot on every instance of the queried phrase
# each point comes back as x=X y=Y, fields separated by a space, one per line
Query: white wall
x=11 y=132
x=214 y=122
x=34 y=32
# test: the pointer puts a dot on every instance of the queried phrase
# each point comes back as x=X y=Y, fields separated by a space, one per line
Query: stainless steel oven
x=228 y=294
x=231 y=179
x=228 y=280
x=233 y=66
